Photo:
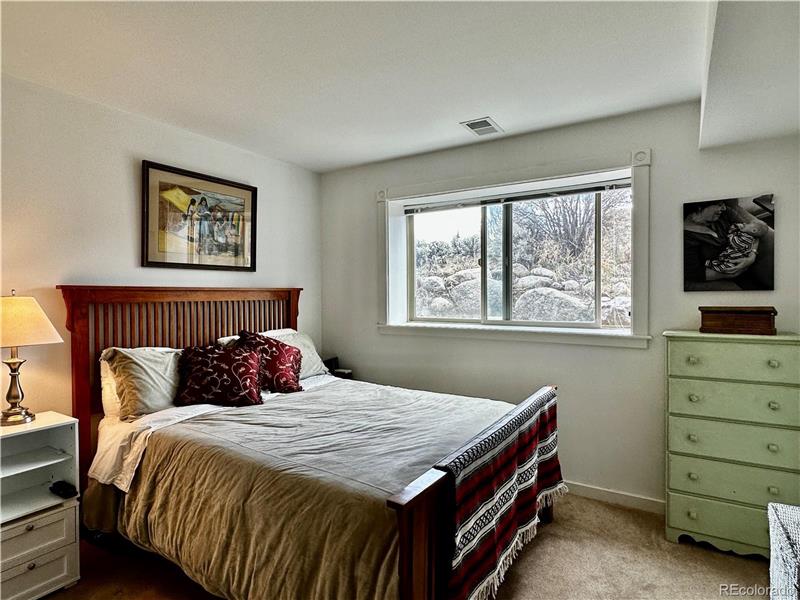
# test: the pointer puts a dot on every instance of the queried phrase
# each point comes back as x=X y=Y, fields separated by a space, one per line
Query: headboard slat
x=102 y=316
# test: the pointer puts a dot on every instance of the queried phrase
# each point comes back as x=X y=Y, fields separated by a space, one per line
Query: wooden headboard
x=127 y=317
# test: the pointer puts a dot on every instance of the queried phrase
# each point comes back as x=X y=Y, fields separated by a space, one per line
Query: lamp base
x=17 y=415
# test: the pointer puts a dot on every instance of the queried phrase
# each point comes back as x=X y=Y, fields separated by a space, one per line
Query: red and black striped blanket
x=501 y=477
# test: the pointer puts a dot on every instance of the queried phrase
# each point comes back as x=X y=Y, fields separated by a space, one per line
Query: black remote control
x=63 y=489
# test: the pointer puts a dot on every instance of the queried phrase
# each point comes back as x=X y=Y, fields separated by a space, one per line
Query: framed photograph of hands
x=728 y=244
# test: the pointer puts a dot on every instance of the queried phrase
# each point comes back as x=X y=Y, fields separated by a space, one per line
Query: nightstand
x=333 y=367
x=39 y=532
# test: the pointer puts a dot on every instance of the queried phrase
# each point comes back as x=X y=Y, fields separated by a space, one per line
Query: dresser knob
x=692 y=514
x=773 y=447
x=29 y=527
x=691 y=437
x=773 y=490
x=692 y=359
x=31 y=566
x=694 y=476
x=774 y=364
x=773 y=405
x=694 y=398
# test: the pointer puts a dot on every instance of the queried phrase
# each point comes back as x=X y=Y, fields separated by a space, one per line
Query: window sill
x=554 y=335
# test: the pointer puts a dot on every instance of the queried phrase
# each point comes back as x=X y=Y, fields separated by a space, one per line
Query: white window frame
x=396 y=261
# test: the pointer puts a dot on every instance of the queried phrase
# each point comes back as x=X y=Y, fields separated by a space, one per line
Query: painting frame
x=202 y=251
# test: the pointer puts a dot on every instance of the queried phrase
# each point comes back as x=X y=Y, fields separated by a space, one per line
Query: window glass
x=553 y=259
x=615 y=254
x=447 y=251
x=494 y=261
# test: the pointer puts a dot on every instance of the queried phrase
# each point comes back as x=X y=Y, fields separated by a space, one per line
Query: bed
x=341 y=490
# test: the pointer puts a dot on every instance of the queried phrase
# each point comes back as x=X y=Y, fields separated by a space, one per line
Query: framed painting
x=196 y=221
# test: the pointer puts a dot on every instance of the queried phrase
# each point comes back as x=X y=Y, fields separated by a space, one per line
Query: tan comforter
x=288 y=500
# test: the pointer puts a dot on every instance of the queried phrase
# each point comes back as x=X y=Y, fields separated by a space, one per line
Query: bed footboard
x=420 y=520
x=424 y=548
x=424 y=531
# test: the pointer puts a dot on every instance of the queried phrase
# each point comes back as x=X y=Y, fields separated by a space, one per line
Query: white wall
x=611 y=400
x=71 y=206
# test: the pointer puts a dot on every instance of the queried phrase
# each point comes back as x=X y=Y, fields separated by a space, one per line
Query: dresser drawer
x=771 y=404
x=750 y=485
x=41 y=575
x=719 y=519
x=768 y=446
x=773 y=363
x=38 y=535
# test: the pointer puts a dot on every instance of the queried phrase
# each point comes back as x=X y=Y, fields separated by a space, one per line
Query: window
x=554 y=257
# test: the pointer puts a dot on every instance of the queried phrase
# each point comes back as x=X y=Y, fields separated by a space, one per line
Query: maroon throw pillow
x=218 y=375
x=279 y=370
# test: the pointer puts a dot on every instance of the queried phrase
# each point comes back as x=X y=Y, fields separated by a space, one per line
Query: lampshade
x=23 y=323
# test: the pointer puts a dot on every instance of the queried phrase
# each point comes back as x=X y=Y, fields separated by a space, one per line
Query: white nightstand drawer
x=28 y=538
x=41 y=575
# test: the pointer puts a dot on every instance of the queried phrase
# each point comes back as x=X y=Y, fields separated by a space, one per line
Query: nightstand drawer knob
x=31 y=566
x=773 y=405
x=691 y=437
x=773 y=447
x=774 y=364
x=694 y=398
x=692 y=359
x=692 y=514
x=773 y=490
x=29 y=527
x=694 y=476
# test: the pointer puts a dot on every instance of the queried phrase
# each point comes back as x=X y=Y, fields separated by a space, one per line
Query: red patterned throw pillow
x=280 y=363
x=218 y=375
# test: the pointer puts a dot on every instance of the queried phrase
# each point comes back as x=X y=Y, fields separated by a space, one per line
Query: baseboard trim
x=626 y=499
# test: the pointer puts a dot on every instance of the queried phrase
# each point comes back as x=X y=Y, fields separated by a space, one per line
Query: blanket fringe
x=549 y=497
x=489 y=588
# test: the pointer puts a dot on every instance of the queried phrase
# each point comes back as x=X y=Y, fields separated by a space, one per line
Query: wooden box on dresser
x=39 y=532
x=733 y=435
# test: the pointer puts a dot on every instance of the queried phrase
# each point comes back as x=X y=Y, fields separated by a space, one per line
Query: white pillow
x=108 y=388
x=311 y=364
x=227 y=340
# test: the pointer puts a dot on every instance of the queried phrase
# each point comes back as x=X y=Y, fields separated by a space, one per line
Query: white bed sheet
x=120 y=444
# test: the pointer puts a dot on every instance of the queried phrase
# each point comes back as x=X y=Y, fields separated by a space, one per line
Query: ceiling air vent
x=482 y=126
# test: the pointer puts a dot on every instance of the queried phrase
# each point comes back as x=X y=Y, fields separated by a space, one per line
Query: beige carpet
x=596 y=550
x=592 y=550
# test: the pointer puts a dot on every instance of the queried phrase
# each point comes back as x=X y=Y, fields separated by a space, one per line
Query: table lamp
x=22 y=323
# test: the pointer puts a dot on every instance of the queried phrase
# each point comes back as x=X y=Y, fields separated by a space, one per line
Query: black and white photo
x=728 y=244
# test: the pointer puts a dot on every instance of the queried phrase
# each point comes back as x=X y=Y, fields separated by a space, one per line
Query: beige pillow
x=146 y=379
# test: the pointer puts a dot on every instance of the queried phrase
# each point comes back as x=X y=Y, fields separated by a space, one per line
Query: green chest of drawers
x=733 y=436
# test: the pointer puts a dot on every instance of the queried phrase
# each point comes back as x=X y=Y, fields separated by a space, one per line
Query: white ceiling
x=328 y=85
x=752 y=88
